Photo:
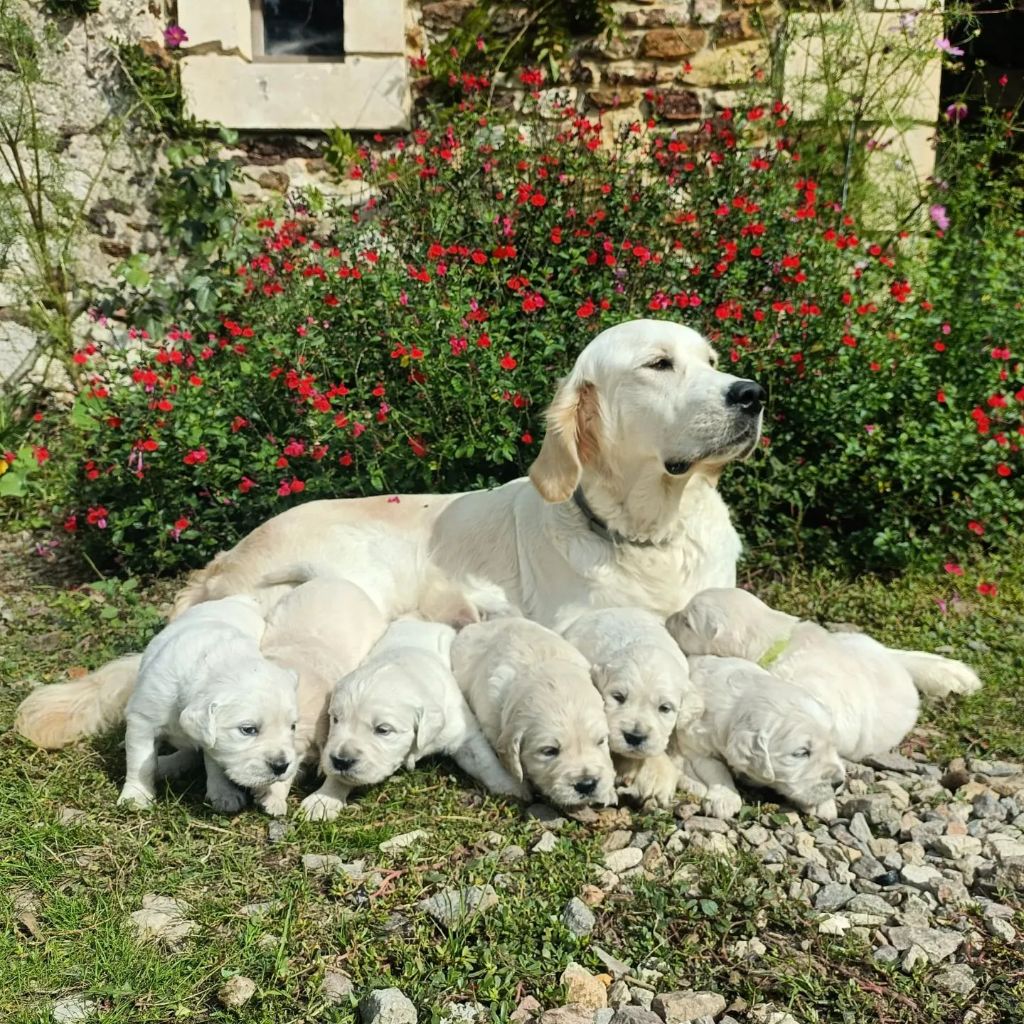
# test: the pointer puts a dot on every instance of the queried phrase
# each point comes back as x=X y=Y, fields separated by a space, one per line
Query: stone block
x=374 y=26
x=224 y=26
x=672 y=43
x=730 y=66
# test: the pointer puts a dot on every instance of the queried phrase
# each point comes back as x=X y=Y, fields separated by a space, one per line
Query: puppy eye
x=334 y=719
x=619 y=698
x=664 y=363
x=249 y=730
x=802 y=752
x=549 y=752
x=666 y=709
x=293 y=727
x=603 y=741
x=383 y=730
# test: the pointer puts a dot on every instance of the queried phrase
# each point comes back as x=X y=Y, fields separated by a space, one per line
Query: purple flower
x=956 y=112
x=946 y=46
x=939 y=216
x=174 y=36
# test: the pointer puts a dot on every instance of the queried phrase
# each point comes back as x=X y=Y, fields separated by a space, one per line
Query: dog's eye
x=549 y=752
x=293 y=726
x=383 y=730
x=249 y=730
x=619 y=698
x=802 y=752
x=666 y=709
x=334 y=719
x=664 y=363
x=603 y=741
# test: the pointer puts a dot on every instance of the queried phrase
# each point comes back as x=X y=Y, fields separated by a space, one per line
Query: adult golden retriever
x=620 y=509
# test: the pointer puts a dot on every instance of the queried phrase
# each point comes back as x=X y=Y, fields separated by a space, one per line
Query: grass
x=84 y=877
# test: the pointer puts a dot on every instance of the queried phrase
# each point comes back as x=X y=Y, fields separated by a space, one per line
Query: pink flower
x=174 y=36
x=943 y=44
x=956 y=112
x=939 y=216
x=953 y=569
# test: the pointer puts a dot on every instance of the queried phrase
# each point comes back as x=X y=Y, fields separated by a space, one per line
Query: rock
x=955 y=847
x=578 y=917
x=635 y=1015
x=277 y=830
x=672 y=43
x=618 y=994
x=526 y=1009
x=1000 y=928
x=546 y=815
x=956 y=978
x=162 y=919
x=833 y=896
x=921 y=876
x=867 y=903
x=401 y=842
x=451 y=907
x=892 y=762
x=72 y=1009
x=547 y=842
x=337 y=986
x=465 y=1013
x=624 y=859
x=935 y=943
x=236 y=992
x=616 y=968
x=768 y=1013
x=706 y=12
x=859 y=828
x=386 y=1006
x=834 y=924
x=995 y=768
x=568 y=1015
x=582 y=988
x=886 y=955
x=321 y=863
x=683 y=1007
x=617 y=840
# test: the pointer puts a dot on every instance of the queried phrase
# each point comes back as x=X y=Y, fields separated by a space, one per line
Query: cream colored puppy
x=532 y=694
x=762 y=729
x=643 y=678
x=869 y=693
x=204 y=686
x=402 y=704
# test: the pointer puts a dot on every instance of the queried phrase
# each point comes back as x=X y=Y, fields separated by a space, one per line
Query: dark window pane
x=311 y=28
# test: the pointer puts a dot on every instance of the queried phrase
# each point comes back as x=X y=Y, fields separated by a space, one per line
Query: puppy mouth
x=737 y=448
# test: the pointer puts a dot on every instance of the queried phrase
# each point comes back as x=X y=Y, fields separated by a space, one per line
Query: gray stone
x=613 y=965
x=866 y=903
x=833 y=897
x=635 y=1015
x=1000 y=928
x=921 y=876
x=568 y=1015
x=618 y=994
x=578 y=917
x=451 y=907
x=859 y=828
x=886 y=955
x=992 y=768
x=684 y=1007
x=987 y=805
x=935 y=943
x=624 y=859
x=956 y=978
x=277 y=830
x=465 y=1013
x=236 y=992
x=892 y=762
x=403 y=841
x=386 y=1006
x=72 y=1009
x=162 y=919
x=337 y=986
x=546 y=815
x=547 y=843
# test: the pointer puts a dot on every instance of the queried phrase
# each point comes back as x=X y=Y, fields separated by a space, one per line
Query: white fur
x=532 y=694
x=643 y=680
x=204 y=686
x=400 y=705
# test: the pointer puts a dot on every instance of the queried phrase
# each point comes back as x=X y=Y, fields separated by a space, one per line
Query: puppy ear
x=747 y=751
x=198 y=721
x=573 y=439
x=599 y=676
x=696 y=628
x=428 y=727
x=508 y=750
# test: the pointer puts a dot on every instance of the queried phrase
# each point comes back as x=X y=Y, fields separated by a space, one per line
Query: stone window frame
x=367 y=89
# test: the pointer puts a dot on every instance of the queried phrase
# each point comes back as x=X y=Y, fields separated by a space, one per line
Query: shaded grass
x=86 y=877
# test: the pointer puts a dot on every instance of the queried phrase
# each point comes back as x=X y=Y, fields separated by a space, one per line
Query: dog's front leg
x=326 y=803
x=722 y=799
x=476 y=758
x=274 y=798
x=139 y=787
x=172 y=766
x=222 y=793
x=655 y=779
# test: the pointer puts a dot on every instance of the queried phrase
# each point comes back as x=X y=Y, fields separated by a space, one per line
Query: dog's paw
x=961 y=678
x=227 y=800
x=135 y=798
x=317 y=807
x=655 y=782
x=722 y=803
x=826 y=810
x=276 y=806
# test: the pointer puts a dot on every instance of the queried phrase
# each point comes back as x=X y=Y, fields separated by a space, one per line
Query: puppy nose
x=586 y=786
x=837 y=784
x=342 y=764
x=634 y=739
x=279 y=767
x=747 y=394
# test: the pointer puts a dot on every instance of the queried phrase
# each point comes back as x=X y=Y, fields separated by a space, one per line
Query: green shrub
x=412 y=343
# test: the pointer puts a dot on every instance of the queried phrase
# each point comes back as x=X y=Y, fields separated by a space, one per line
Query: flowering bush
x=411 y=343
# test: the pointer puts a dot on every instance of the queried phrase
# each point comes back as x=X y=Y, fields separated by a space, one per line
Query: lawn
x=75 y=867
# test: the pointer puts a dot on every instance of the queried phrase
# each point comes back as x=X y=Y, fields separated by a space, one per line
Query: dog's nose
x=586 y=786
x=342 y=764
x=747 y=394
x=634 y=739
x=837 y=784
x=279 y=767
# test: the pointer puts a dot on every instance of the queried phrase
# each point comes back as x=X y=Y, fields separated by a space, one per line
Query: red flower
x=345 y=460
x=975 y=527
x=245 y=485
x=181 y=524
x=197 y=455
x=484 y=341
x=587 y=309
x=940 y=396
x=71 y=523
x=988 y=589
x=1004 y=470
x=41 y=454
x=508 y=362
x=953 y=569
x=527 y=438
x=419 y=449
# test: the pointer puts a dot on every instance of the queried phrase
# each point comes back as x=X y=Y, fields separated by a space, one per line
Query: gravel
x=387 y=1006
x=451 y=907
x=578 y=917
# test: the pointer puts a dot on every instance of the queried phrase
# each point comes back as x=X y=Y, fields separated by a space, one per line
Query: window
x=297 y=30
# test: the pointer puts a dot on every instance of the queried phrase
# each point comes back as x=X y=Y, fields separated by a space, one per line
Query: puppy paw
x=275 y=806
x=227 y=801
x=722 y=803
x=961 y=678
x=655 y=782
x=135 y=798
x=317 y=807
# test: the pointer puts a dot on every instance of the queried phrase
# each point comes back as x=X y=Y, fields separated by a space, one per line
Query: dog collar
x=774 y=652
x=600 y=527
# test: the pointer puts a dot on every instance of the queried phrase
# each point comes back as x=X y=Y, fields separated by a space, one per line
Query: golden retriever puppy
x=643 y=678
x=204 y=685
x=532 y=694
x=401 y=705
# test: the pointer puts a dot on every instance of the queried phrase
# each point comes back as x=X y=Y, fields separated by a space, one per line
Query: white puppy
x=868 y=691
x=203 y=685
x=402 y=704
x=532 y=693
x=644 y=681
x=756 y=726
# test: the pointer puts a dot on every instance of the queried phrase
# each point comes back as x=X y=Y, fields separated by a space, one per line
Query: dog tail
x=196 y=589
x=55 y=716
x=935 y=676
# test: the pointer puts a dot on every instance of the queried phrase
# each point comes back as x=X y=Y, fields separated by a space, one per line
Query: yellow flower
x=4 y=466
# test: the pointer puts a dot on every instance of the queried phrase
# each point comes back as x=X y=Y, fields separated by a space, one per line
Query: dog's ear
x=696 y=627
x=429 y=724
x=572 y=439
x=198 y=721
x=599 y=676
x=747 y=751
x=509 y=752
